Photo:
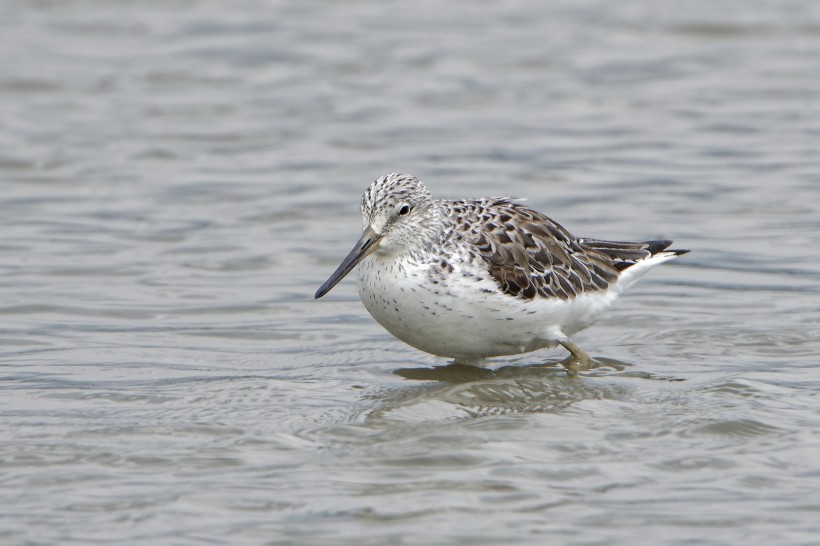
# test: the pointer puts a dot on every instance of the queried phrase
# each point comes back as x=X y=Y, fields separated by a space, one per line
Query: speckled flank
x=471 y=279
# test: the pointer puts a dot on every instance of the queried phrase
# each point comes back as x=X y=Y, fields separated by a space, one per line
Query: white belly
x=457 y=316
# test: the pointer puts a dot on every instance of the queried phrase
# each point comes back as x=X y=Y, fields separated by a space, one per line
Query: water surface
x=177 y=179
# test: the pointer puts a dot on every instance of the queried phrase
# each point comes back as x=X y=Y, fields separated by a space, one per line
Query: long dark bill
x=367 y=244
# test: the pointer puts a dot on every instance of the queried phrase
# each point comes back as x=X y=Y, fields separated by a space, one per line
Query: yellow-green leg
x=578 y=360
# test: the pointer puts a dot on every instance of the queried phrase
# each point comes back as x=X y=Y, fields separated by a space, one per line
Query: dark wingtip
x=655 y=247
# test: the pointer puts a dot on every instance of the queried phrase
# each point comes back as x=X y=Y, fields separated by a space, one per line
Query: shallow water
x=177 y=179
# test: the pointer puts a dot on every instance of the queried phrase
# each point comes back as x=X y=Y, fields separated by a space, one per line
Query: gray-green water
x=177 y=178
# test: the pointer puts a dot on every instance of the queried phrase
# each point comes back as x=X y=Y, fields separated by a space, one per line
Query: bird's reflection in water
x=459 y=373
x=459 y=391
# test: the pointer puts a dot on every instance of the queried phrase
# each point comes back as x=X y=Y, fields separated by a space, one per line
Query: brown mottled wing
x=529 y=255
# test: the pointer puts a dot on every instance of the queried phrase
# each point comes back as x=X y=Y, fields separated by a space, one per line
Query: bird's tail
x=624 y=254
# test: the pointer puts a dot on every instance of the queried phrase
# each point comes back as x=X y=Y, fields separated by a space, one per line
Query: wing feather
x=529 y=255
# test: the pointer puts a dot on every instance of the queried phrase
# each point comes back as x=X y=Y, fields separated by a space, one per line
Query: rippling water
x=177 y=179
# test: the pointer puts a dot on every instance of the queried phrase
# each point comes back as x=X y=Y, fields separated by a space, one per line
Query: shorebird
x=479 y=278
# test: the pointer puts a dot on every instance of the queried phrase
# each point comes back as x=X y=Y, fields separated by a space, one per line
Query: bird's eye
x=405 y=209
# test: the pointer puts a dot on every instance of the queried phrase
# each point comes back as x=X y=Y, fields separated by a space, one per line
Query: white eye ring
x=405 y=209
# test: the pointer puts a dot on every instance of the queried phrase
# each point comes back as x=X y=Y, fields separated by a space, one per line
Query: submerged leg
x=475 y=361
x=578 y=360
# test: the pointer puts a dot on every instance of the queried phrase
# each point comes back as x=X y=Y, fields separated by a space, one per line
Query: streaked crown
x=399 y=207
